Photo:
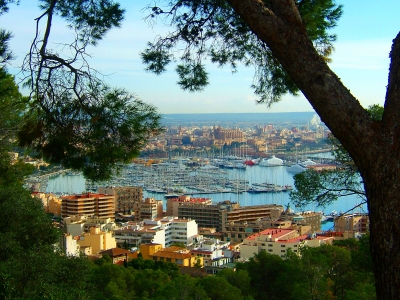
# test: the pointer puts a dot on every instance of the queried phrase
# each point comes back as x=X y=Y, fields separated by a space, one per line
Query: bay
x=75 y=184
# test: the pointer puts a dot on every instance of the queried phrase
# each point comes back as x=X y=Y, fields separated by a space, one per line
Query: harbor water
x=75 y=184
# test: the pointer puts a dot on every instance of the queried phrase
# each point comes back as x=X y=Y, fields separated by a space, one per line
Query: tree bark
x=373 y=145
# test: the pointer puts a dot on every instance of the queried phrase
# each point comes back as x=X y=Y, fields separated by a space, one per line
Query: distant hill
x=224 y=119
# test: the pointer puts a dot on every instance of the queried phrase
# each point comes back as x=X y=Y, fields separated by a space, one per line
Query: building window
x=269 y=250
x=283 y=250
x=283 y=246
x=269 y=245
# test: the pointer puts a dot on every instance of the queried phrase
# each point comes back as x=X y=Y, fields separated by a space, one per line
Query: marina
x=168 y=178
x=254 y=185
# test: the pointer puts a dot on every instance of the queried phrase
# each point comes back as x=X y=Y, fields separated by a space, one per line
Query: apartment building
x=177 y=255
x=149 y=249
x=125 y=197
x=307 y=218
x=148 y=209
x=352 y=222
x=207 y=215
x=183 y=200
x=118 y=256
x=133 y=234
x=179 y=230
x=163 y=231
x=89 y=204
x=211 y=250
x=210 y=233
x=233 y=213
x=202 y=210
x=97 y=240
x=76 y=225
x=51 y=202
x=239 y=230
x=219 y=215
x=69 y=245
x=278 y=241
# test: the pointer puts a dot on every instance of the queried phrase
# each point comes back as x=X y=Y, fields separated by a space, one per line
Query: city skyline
x=361 y=60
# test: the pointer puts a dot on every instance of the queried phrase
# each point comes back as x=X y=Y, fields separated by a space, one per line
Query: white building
x=165 y=231
x=209 y=249
x=76 y=225
x=179 y=230
x=69 y=245
x=278 y=241
x=133 y=234
x=215 y=254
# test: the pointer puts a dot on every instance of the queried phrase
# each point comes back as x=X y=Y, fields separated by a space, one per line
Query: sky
x=361 y=59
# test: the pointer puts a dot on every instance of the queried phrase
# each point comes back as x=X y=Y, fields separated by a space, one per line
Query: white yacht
x=296 y=168
x=208 y=167
x=271 y=162
x=300 y=167
x=308 y=162
x=240 y=165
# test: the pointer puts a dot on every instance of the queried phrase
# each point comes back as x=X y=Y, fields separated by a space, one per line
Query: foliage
x=74 y=118
x=211 y=30
x=12 y=105
x=113 y=282
x=321 y=188
x=4 y=5
x=268 y=274
x=149 y=282
x=182 y=288
x=325 y=272
x=375 y=112
x=198 y=264
x=90 y=20
x=30 y=268
x=360 y=252
x=365 y=291
x=5 y=53
x=239 y=279
x=178 y=244
x=168 y=268
x=219 y=288
x=111 y=128
x=23 y=229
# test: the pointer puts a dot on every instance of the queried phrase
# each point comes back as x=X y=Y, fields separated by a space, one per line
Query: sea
x=76 y=184
x=237 y=119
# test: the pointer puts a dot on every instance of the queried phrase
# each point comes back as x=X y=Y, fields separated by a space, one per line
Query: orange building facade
x=88 y=204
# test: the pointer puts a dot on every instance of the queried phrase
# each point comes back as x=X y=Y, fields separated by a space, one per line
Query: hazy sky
x=365 y=33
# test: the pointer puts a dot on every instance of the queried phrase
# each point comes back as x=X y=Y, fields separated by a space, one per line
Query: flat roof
x=275 y=233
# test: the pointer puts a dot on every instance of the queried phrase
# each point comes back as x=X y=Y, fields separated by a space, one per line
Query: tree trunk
x=373 y=145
